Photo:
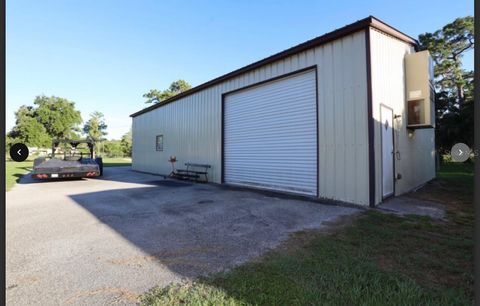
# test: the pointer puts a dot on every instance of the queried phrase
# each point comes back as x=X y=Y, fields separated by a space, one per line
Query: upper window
x=416 y=112
x=159 y=143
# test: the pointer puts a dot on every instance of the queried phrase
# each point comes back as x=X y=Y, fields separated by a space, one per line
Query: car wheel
x=99 y=161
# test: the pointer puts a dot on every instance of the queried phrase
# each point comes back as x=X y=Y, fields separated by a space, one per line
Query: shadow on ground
x=109 y=239
x=196 y=229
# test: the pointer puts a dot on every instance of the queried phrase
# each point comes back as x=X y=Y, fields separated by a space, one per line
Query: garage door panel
x=270 y=135
x=288 y=177
x=279 y=92
x=292 y=118
x=279 y=108
x=277 y=89
x=267 y=136
x=292 y=96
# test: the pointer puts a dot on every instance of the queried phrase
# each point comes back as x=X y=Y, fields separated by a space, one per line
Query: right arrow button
x=460 y=152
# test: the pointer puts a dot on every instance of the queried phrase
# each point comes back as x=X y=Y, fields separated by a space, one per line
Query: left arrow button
x=19 y=152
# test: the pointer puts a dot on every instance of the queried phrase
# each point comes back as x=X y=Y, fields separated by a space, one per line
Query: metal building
x=334 y=117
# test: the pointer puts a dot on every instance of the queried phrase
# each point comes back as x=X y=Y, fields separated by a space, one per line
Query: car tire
x=99 y=161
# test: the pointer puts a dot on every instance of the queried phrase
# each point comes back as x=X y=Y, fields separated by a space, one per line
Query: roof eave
x=328 y=37
x=382 y=26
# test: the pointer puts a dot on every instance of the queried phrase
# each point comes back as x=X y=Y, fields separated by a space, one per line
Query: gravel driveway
x=105 y=241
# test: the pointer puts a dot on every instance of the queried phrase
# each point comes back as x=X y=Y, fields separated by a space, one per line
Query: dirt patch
x=332 y=227
x=386 y=263
x=166 y=258
x=426 y=266
x=302 y=239
x=118 y=293
x=447 y=193
x=24 y=281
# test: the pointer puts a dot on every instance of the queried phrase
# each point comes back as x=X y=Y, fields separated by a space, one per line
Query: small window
x=159 y=143
x=416 y=112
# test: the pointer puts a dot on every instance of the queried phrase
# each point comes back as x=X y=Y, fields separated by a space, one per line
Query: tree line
x=57 y=118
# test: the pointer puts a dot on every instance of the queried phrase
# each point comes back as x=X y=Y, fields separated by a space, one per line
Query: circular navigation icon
x=19 y=152
x=460 y=152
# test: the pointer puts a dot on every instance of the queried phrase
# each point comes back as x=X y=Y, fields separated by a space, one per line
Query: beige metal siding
x=343 y=138
x=190 y=141
x=192 y=125
x=416 y=162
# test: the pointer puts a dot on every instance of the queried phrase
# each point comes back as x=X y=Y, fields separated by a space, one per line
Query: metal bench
x=191 y=173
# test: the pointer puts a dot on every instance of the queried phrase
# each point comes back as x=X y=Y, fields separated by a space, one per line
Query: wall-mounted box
x=420 y=90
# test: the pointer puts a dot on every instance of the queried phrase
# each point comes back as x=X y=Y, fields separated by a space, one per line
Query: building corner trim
x=370 y=122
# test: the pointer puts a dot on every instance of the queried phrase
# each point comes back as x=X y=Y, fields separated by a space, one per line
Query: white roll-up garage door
x=270 y=135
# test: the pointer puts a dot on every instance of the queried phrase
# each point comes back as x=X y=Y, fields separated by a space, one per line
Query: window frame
x=157 y=137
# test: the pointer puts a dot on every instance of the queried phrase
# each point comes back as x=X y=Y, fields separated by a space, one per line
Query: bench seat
x=186 y=175
x=189 y=173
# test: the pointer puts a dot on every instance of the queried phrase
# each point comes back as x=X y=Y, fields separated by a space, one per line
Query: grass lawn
x=117 y=161
x=374 y=258
x=15 y=170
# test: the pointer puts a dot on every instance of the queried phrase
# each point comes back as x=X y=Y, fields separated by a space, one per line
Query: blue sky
x=104 y=55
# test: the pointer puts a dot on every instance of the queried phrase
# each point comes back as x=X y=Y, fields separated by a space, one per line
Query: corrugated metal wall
x=192 y=125
x=417 y=154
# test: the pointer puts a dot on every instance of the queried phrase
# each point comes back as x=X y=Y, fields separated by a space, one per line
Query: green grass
x=375 y=258
x=455 y=172
x=14 y=171
x=116 y=161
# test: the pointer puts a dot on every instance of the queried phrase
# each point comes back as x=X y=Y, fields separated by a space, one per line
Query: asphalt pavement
x=106 y=241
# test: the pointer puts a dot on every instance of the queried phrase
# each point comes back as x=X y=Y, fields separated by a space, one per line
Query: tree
x=447 y=47
x=454 y=85
x=126 y=143
x=28 y=130
x=155 y=96
x=95 y=128
x=9 y=141
x=50 y=117
x=58 y=116
x=113 y=148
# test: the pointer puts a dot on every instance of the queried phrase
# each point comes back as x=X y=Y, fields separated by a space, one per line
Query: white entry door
x=387 y=151
x=270 y=135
